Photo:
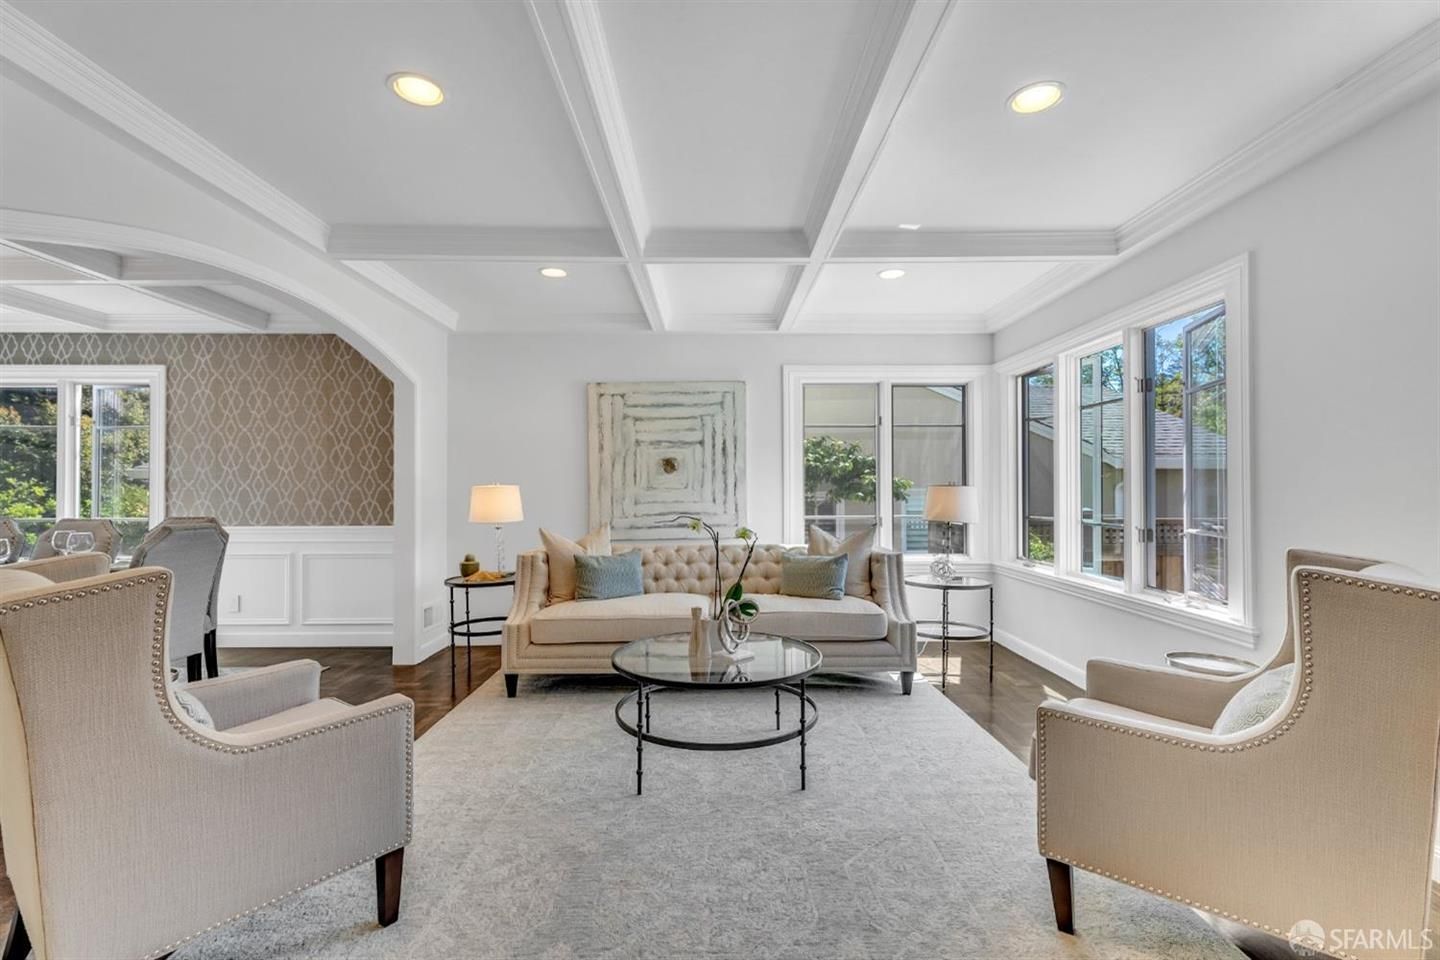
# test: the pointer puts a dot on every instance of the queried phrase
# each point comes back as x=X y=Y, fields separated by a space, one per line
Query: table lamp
x=496 y=503
x=950 y=503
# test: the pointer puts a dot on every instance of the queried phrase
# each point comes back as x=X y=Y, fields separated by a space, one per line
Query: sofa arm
x=532 y=587
x=245 y=697
x=1161 y=691
x=887 y=589
x=62 y=569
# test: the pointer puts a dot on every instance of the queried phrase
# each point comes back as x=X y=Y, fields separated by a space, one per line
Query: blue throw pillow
x=821 y=578
x=605 y=578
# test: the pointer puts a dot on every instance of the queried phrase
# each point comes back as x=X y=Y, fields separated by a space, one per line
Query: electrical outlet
x=234 y=604
x=429 y=614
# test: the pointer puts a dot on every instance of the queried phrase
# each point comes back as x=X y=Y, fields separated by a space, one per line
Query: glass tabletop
x=666 y=660
x=956 y=583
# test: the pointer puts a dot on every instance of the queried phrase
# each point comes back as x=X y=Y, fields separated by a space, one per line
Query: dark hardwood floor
x=1006 y=711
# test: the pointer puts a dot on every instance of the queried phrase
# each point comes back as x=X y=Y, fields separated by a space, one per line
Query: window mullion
x=884 y=465
x=1067 y=462
x=1136 y=555
x=67 y=463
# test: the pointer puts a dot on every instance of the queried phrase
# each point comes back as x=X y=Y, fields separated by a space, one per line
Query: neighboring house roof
x=1169 y=437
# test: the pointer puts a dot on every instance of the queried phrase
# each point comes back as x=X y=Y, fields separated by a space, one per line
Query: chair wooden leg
x=192 y=668
x=512 y=684
x=17 y=941
x=1062 y=895
x=907 y=681
x=212 y=655
x=388 y=871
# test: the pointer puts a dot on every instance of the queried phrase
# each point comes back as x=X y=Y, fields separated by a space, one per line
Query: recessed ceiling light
x=416 y=89
x=554 y=273
x=909 y=226
x=1034 y=97
x=894 y=273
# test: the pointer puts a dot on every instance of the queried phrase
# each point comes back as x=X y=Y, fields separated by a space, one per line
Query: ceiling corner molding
x=572 y=39
x=672 y=245
x=1405 y=72
x=50 y=60
x=923 y=324
x=407 y=291
x=900 y=42
x=974 y=245
x=1049 y=287
x=724 y=323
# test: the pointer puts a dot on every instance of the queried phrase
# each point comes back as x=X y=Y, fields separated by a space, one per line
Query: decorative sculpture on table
x=662 y=448
x=731 y=614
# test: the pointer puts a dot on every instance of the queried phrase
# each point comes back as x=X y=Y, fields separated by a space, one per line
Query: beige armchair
x=100 y=771
x=1320 y=819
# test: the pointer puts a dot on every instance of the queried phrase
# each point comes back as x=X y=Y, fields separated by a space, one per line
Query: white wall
x=518 y=414
x=1345 y=318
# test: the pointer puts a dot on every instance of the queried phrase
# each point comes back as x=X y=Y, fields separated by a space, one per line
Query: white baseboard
x=435 y=639
x=300 y=638
x=1043 y=658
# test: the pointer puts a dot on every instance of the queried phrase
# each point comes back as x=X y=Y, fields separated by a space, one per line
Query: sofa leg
x=388 y=871
x=212 y=655
x=907 y=681
x=512 y=684
x=1061 y=895
x=193 y=668
x=17 y=941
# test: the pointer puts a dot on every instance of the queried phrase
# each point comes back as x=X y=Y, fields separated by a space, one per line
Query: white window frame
x=797 y=377
x=67 y=378
x=1235 y=621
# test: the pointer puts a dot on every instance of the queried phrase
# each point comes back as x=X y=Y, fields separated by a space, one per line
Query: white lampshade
x=495 y=503
x=951 y=503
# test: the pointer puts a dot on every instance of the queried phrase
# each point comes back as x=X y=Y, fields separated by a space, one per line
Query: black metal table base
x=972 y=633
x=641 y=729
x=465 y=628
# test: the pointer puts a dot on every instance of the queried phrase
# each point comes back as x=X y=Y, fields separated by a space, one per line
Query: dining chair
x=192 y=548
x=107 y=537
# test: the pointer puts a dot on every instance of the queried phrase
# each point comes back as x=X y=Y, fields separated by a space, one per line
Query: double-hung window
x=83 y=442
x=1131 y=451
x=863 y=447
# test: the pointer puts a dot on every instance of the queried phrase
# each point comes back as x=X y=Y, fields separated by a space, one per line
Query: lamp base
x=942 y=568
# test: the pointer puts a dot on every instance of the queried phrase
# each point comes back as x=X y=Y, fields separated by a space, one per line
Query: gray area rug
x=915 y=838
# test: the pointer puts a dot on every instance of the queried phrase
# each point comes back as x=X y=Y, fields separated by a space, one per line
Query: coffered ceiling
x=730 y=165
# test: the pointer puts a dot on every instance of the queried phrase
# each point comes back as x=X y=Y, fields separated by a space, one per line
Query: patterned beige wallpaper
x=260 y=430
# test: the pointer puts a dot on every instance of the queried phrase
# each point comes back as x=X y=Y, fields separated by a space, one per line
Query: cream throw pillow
x=857 y=547
x=1253 y=704
x=560 y=553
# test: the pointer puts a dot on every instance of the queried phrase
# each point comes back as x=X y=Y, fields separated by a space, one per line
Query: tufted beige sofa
x=864 y=634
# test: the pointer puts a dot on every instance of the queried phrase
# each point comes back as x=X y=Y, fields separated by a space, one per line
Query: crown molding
x=380 y=241
x=672 y=245
x=572 y=39
x=1405 y=72
x=723 y=323
x=901 y=323
x=1045 y=289
x=50 y=60
x=899 y=43
x=974 y=245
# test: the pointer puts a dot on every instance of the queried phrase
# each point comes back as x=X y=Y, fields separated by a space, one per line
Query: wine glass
x=60 y=540
x=81 y=541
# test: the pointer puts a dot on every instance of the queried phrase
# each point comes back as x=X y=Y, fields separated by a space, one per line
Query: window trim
x=1228 y=281
x=66 y=376
x=797 y=376
x=1022 y=465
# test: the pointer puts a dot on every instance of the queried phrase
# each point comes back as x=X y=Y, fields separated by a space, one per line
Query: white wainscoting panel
x=308 y=587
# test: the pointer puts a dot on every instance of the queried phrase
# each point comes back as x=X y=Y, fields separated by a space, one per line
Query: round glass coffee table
x=664 y=663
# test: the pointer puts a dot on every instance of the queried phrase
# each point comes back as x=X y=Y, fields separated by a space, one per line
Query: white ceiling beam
x=898 y=44
x=973 y=245
x=407 y=291
x=26 y=270
x=37 y=305
x=207 y=302
x=156 y=271
x=353 y=242
x=96 y=264
x=726 y=246
x=107 y=266
x=573 y=40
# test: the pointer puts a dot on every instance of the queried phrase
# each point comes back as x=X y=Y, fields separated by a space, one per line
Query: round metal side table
x=1210 y=664
x=952 y=631
x=466 y=627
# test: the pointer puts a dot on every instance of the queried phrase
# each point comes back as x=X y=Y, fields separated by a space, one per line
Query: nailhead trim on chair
x=1295 y=711
x=158 y=682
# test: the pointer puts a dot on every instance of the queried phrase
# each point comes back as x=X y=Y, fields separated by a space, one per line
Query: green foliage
x=1040 y=550
x=838 y=470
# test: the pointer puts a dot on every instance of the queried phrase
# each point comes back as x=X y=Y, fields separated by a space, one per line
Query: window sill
x=1211 y=623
